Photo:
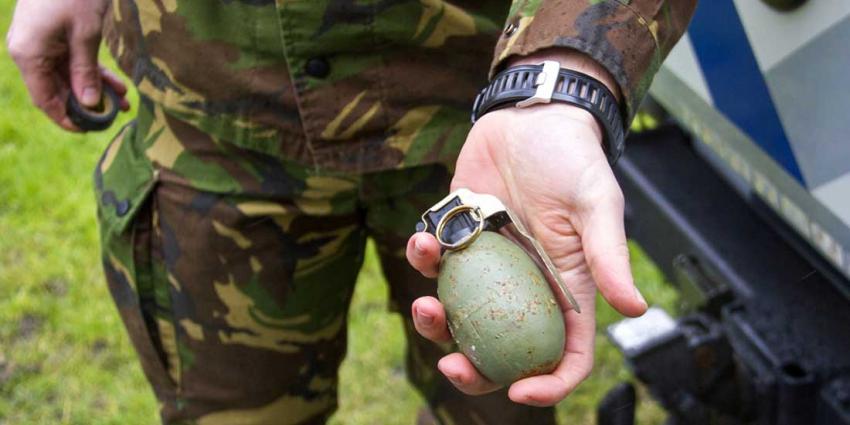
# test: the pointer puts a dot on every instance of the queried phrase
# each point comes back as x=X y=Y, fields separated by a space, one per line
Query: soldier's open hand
x=547 y=164
x=55 y=45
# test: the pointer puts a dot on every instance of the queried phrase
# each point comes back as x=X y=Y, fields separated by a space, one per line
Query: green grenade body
x=500 y=309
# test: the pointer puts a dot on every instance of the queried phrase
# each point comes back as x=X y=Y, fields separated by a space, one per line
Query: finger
x=83 y=67
x=603 y=239
x=114 y=81
x=429 y=319
x=463 y=375
x=124 y=105
x=575 y=367
x=423 y=253
x=118 y=86
x=48 y=94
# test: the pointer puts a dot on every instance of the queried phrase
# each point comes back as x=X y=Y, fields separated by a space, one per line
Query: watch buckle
x=545 y=83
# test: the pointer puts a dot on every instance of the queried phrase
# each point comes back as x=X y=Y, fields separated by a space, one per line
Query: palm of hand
x=549 y=168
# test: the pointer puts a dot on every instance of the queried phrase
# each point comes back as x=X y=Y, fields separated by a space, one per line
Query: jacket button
x=317 y=67
x=511 y=28
x=122 y=208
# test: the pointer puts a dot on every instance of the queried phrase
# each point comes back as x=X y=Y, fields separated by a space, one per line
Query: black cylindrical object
x=96 y=119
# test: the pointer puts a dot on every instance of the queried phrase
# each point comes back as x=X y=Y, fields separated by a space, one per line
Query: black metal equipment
x=763 y=335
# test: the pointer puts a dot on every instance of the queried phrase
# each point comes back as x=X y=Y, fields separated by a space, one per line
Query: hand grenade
x=496 y=284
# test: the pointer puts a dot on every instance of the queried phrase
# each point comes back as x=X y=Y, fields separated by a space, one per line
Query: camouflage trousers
x=233 y=272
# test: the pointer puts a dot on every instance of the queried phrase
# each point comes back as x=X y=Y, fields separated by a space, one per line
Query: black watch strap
x=527 y=85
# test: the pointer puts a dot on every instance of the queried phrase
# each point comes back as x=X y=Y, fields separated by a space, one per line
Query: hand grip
x=96 y=119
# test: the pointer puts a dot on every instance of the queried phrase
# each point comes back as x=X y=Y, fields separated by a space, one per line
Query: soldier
x=273 y=138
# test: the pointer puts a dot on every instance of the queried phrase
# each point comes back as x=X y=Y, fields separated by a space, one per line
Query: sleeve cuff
x=630 y=41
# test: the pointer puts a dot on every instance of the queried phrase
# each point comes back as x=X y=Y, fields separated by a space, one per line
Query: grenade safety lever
x=458 y=219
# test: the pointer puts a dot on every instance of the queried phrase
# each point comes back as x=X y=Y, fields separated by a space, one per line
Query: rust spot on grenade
x=527 y=336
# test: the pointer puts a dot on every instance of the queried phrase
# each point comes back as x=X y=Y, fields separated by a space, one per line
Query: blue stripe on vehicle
x=737 y=85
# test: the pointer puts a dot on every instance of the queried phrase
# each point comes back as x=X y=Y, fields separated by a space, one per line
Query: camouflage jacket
x=365 y=85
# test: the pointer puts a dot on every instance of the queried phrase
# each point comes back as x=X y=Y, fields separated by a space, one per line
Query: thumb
x=84 y=70
x=603 y=239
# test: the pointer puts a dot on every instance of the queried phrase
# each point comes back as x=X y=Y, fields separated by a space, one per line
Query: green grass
x=64 y=357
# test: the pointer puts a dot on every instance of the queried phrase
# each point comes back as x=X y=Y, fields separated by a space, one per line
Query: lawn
x=64 y=357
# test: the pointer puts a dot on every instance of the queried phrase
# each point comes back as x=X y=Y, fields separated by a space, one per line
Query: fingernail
x=454 y=379
x=417 y=246
x=90 y=96
x=425 y=319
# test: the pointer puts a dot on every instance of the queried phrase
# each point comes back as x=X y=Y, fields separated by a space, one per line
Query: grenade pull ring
x=477 y=216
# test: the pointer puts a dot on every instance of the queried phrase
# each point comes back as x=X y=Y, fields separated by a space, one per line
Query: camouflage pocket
x=123 y=178
x=126 y=212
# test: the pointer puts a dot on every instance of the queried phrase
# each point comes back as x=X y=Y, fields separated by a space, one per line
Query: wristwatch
x=525 y=85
